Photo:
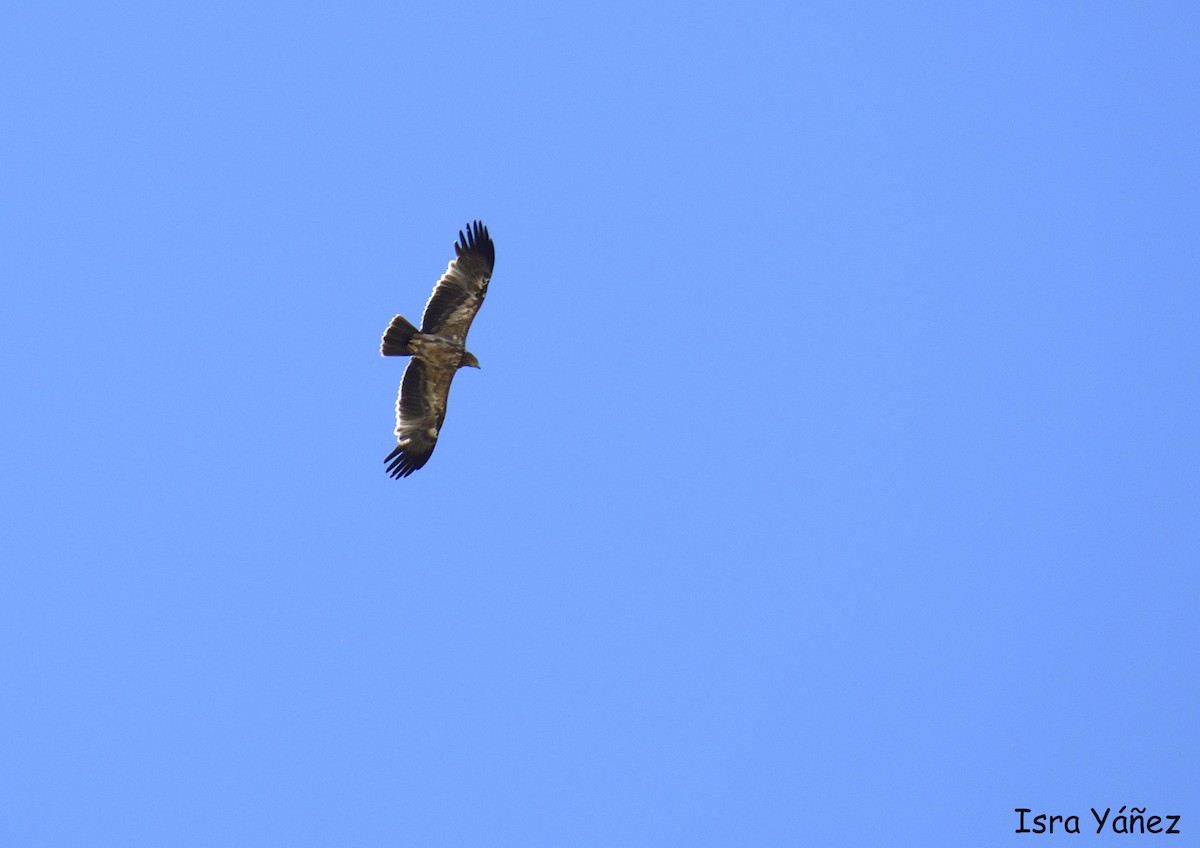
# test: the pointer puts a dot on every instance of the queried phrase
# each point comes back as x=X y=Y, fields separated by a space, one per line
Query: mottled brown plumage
x=438 y=349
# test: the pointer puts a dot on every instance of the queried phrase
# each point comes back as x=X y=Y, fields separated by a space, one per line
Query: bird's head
x=468 y=360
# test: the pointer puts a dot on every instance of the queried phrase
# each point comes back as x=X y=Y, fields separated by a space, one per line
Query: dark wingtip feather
x=402 y=463
x=476 y=242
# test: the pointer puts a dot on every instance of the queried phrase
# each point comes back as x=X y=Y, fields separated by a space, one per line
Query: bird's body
x=438 y=349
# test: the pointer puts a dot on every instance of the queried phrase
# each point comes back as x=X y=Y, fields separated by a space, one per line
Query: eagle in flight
x=438 y=349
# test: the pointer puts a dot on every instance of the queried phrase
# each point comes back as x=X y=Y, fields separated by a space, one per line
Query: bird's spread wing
x=461 y=290
x=420 y=411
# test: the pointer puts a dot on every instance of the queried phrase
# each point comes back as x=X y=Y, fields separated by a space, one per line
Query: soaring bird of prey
x=438 y=349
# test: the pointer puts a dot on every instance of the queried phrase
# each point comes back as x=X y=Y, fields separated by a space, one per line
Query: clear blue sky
x=832 y=476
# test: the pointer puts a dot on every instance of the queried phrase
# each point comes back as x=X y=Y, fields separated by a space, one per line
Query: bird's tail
x=397 y=337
